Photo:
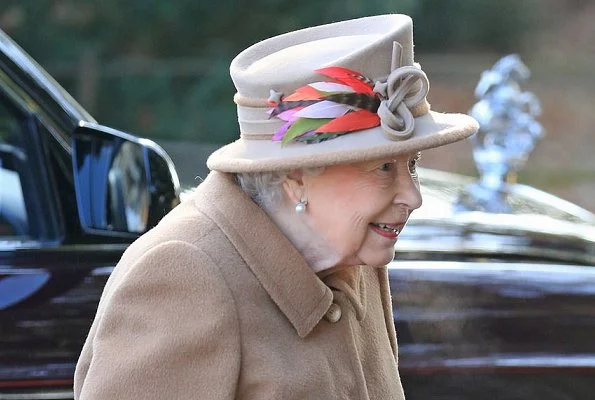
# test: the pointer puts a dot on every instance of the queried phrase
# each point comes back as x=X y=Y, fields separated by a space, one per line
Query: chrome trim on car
x=38 y=396
x=506 y=361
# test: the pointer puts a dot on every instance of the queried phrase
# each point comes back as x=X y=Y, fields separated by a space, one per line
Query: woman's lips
x=389 y=231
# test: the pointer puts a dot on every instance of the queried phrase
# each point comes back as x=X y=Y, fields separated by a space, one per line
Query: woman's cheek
x=357 y=232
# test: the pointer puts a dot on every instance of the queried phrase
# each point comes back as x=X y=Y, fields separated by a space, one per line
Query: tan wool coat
x=215 y=303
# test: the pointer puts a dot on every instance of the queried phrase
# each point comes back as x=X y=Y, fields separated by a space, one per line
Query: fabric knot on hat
x=404 y=90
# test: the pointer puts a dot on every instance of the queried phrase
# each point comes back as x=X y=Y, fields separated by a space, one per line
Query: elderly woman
x=269 y=281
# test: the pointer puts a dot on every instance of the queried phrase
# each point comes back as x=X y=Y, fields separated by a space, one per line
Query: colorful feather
x=288 y=105
x=359 y=100
x=304 y=93
x=290 y=115
x=278 y=136
x=355 y=120
x=357 y=81
x=323 y=109
x=302 y=126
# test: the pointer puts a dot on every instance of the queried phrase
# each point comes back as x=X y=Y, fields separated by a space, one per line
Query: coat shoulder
x=162 y=308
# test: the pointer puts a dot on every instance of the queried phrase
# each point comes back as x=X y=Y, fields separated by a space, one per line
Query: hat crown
x=286 y=62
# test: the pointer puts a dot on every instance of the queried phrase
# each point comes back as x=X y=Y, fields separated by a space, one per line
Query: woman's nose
x=408 y=193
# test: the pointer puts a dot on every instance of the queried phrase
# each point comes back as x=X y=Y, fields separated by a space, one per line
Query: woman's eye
x=387 y=167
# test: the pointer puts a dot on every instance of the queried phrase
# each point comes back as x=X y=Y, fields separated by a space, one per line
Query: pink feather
x=289 y=115
x=323 y=109
x=278 y=136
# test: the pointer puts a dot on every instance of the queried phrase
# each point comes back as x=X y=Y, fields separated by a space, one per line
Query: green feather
x=302 y=126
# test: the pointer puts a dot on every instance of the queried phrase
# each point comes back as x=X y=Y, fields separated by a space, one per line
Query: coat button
x=333 y=313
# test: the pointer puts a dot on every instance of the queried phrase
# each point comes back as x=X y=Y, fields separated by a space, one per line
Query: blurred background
x=159 y=69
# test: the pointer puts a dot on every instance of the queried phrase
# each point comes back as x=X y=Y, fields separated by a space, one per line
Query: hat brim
x=431 y=130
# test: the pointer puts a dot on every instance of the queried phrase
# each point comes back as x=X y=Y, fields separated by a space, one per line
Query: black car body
x=486 y=305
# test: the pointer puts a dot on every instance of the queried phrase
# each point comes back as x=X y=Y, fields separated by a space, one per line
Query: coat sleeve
x=166 y=328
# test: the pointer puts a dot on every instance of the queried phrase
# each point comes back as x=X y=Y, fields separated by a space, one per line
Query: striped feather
x=316 y=138
x=288 y=105
x=358 y=100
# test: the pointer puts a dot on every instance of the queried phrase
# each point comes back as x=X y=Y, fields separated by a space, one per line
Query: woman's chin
x=378 y=261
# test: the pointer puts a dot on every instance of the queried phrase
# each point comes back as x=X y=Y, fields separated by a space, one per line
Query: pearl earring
x=300 y=207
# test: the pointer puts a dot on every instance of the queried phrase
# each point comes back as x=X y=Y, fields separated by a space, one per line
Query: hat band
x=255 y=123
x=253 y=118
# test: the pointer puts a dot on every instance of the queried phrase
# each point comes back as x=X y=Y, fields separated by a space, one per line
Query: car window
x=14 y=220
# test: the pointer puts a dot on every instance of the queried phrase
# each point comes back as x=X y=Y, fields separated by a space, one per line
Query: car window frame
x=38 y=132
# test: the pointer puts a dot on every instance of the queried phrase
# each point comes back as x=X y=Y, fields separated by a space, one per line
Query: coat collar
x=277 y=264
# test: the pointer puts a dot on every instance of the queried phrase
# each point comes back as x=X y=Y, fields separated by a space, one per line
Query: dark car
x=487 y=305
x=73 y=195
x=495 y=306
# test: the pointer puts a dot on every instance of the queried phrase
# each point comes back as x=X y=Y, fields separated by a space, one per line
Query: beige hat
x=358 y=74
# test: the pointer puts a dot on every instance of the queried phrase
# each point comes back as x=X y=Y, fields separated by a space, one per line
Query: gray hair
x=265 y=188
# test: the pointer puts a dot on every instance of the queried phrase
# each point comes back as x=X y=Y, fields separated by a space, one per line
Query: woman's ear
x=293 y=185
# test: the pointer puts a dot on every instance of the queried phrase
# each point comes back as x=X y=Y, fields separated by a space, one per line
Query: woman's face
x=359 y=210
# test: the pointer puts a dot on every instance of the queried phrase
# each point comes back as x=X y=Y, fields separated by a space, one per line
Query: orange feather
x=352 y=121
x=357 y=81
x=304 y=93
